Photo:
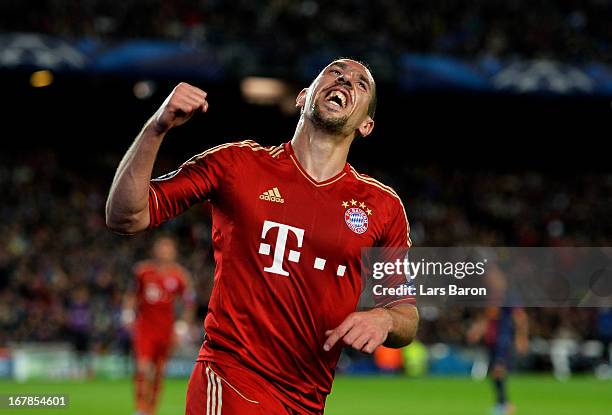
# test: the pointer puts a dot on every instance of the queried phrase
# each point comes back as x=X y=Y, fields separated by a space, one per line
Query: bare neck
x=322 y=155
x=162 y=263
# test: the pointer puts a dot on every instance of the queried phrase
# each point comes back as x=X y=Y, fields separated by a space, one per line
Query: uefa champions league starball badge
x=356 y=217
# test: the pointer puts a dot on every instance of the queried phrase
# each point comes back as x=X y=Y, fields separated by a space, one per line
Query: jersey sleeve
x=397 y=230
x=195 y=181
x=395 y=243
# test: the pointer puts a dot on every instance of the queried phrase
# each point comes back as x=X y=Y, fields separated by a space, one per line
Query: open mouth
x=337 y=97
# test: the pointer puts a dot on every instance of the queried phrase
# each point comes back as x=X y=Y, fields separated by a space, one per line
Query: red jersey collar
x=340 y=175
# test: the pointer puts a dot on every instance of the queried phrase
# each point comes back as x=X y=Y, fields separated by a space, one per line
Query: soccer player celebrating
x=149 y=310
x=289 y=223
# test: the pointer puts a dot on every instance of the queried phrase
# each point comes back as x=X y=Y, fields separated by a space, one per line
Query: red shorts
x=154 y=348
x=227 y=390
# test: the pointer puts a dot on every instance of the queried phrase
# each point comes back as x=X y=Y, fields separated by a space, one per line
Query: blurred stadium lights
x=144 y=89
x=39 y=50
x=265 y=91
x=40 y=79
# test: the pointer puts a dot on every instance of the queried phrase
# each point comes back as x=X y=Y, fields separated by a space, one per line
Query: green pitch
x=357 y=396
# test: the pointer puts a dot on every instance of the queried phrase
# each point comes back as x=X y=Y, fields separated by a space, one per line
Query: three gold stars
x=362 y=205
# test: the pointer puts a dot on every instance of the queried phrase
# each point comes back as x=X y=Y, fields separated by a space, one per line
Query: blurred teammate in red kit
x=150 y=309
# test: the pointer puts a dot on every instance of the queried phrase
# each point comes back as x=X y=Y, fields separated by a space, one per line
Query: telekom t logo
x=294 y=256
x=279 y=247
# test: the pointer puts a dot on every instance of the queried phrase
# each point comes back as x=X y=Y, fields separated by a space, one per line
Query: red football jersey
x=288 y=254
x=157 y=288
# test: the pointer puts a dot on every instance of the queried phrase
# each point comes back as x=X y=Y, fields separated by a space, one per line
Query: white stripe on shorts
x=207 y=391
x=214 y=393
x=219 y=393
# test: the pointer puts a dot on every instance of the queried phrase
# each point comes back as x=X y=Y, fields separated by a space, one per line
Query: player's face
x=164 y=250
x=338 y=99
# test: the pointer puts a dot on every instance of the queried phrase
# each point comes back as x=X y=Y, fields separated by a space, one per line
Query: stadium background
x=491 y=125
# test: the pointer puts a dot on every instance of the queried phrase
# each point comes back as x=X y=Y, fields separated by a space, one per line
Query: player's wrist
x=156 y=129
x=386 y=318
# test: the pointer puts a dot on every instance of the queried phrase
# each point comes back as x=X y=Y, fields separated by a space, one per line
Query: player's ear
x=301 y=98
x=366 y=127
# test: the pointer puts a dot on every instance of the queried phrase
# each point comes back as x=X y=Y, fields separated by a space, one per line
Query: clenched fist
x=184 y=101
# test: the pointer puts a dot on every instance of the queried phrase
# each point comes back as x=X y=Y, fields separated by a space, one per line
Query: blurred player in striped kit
x=502 y=330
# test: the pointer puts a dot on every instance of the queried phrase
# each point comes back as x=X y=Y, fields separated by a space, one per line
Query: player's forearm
x=189 y=313
x=128 y=312
x=127 y=207
x=405 y=321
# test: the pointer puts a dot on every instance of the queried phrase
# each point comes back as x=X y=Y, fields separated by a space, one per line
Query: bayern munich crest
x=356 y=215
x=356 y=219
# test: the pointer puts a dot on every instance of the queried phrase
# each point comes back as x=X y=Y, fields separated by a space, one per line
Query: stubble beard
x=333 y=125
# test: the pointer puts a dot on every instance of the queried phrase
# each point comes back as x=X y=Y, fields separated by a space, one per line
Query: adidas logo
x=272 y=195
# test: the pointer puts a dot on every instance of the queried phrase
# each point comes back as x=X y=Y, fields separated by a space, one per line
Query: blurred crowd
x=467 y=207
x=280 y=31
x=63 y=274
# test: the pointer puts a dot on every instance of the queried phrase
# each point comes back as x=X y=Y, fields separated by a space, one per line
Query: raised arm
x=127 y=206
